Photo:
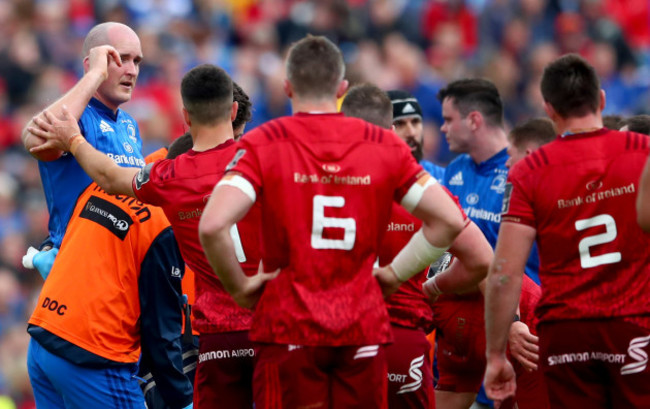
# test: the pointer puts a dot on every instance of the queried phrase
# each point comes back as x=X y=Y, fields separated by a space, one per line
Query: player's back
x=582 y=189
x=327 y=186
x=182 y=186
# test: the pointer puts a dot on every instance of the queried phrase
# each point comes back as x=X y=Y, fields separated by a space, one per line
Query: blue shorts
x=60 y=384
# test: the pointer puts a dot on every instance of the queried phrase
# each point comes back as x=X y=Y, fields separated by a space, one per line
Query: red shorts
x=460 y=328
x=595 y=363
x=294 y=376
x=224 y=374
x=410 y=375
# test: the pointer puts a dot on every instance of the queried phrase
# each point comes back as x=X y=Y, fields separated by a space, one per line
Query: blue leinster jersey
x=115 y=134
x=480 y=188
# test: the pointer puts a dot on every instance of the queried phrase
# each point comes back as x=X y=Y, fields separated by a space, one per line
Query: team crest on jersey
x=499 y=183
x=130 y=130
x=594 y=185
x=108 y=215
x=331 y=167
x=143 y=176
x=505 y=206
x=235 y=160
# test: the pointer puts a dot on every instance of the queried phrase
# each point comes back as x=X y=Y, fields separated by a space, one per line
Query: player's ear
x=288 y=89
x=186 y=117
x=342 y=89
x=233 y=112
x=550 y=111
x=475 y=120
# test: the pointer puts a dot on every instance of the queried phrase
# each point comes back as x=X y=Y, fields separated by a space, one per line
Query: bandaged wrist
x=415 y=256
x=75 y=141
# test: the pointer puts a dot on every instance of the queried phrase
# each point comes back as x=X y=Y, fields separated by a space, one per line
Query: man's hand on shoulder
x=56 y=132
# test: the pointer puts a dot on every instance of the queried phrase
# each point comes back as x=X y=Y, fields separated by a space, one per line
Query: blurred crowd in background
x=415 y=45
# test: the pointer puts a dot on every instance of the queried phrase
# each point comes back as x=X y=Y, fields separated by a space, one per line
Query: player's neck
x=491 y=142
x=208 y=137
x=576 y=125
x=313 y=105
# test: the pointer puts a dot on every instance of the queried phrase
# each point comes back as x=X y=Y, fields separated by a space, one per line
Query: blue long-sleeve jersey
x=115 y=134
x=480 y=188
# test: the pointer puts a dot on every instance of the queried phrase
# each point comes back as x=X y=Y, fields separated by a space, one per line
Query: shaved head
x=100 y=35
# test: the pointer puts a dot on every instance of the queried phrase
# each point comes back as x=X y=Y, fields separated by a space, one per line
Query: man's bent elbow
x=210 y=228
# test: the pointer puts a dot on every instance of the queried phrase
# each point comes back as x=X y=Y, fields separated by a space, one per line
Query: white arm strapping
x=415 y=192
x=240 y=183
x=415 y=256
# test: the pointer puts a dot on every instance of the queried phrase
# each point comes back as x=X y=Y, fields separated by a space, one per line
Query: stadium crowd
x=419 y=46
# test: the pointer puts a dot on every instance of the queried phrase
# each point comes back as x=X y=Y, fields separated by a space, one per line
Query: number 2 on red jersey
x=586 y=259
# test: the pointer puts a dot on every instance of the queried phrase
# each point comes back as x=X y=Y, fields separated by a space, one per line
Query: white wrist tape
x=415 y=256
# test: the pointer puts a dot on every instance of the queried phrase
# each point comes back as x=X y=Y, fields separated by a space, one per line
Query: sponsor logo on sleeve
x=235 y=160
x=143 y=176
x=176 y=272
x=108 y=215
x=507 y=194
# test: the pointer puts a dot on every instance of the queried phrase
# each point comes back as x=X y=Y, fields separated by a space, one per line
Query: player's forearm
x=503 y=288
x=75 y=100
x=220 y=252
x=111 y=177
x=474 y=255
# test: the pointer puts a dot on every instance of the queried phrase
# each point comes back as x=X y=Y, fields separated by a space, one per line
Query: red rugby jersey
x=326 y=184
x=408 y=306
x=579 y=192
x=181 y=187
